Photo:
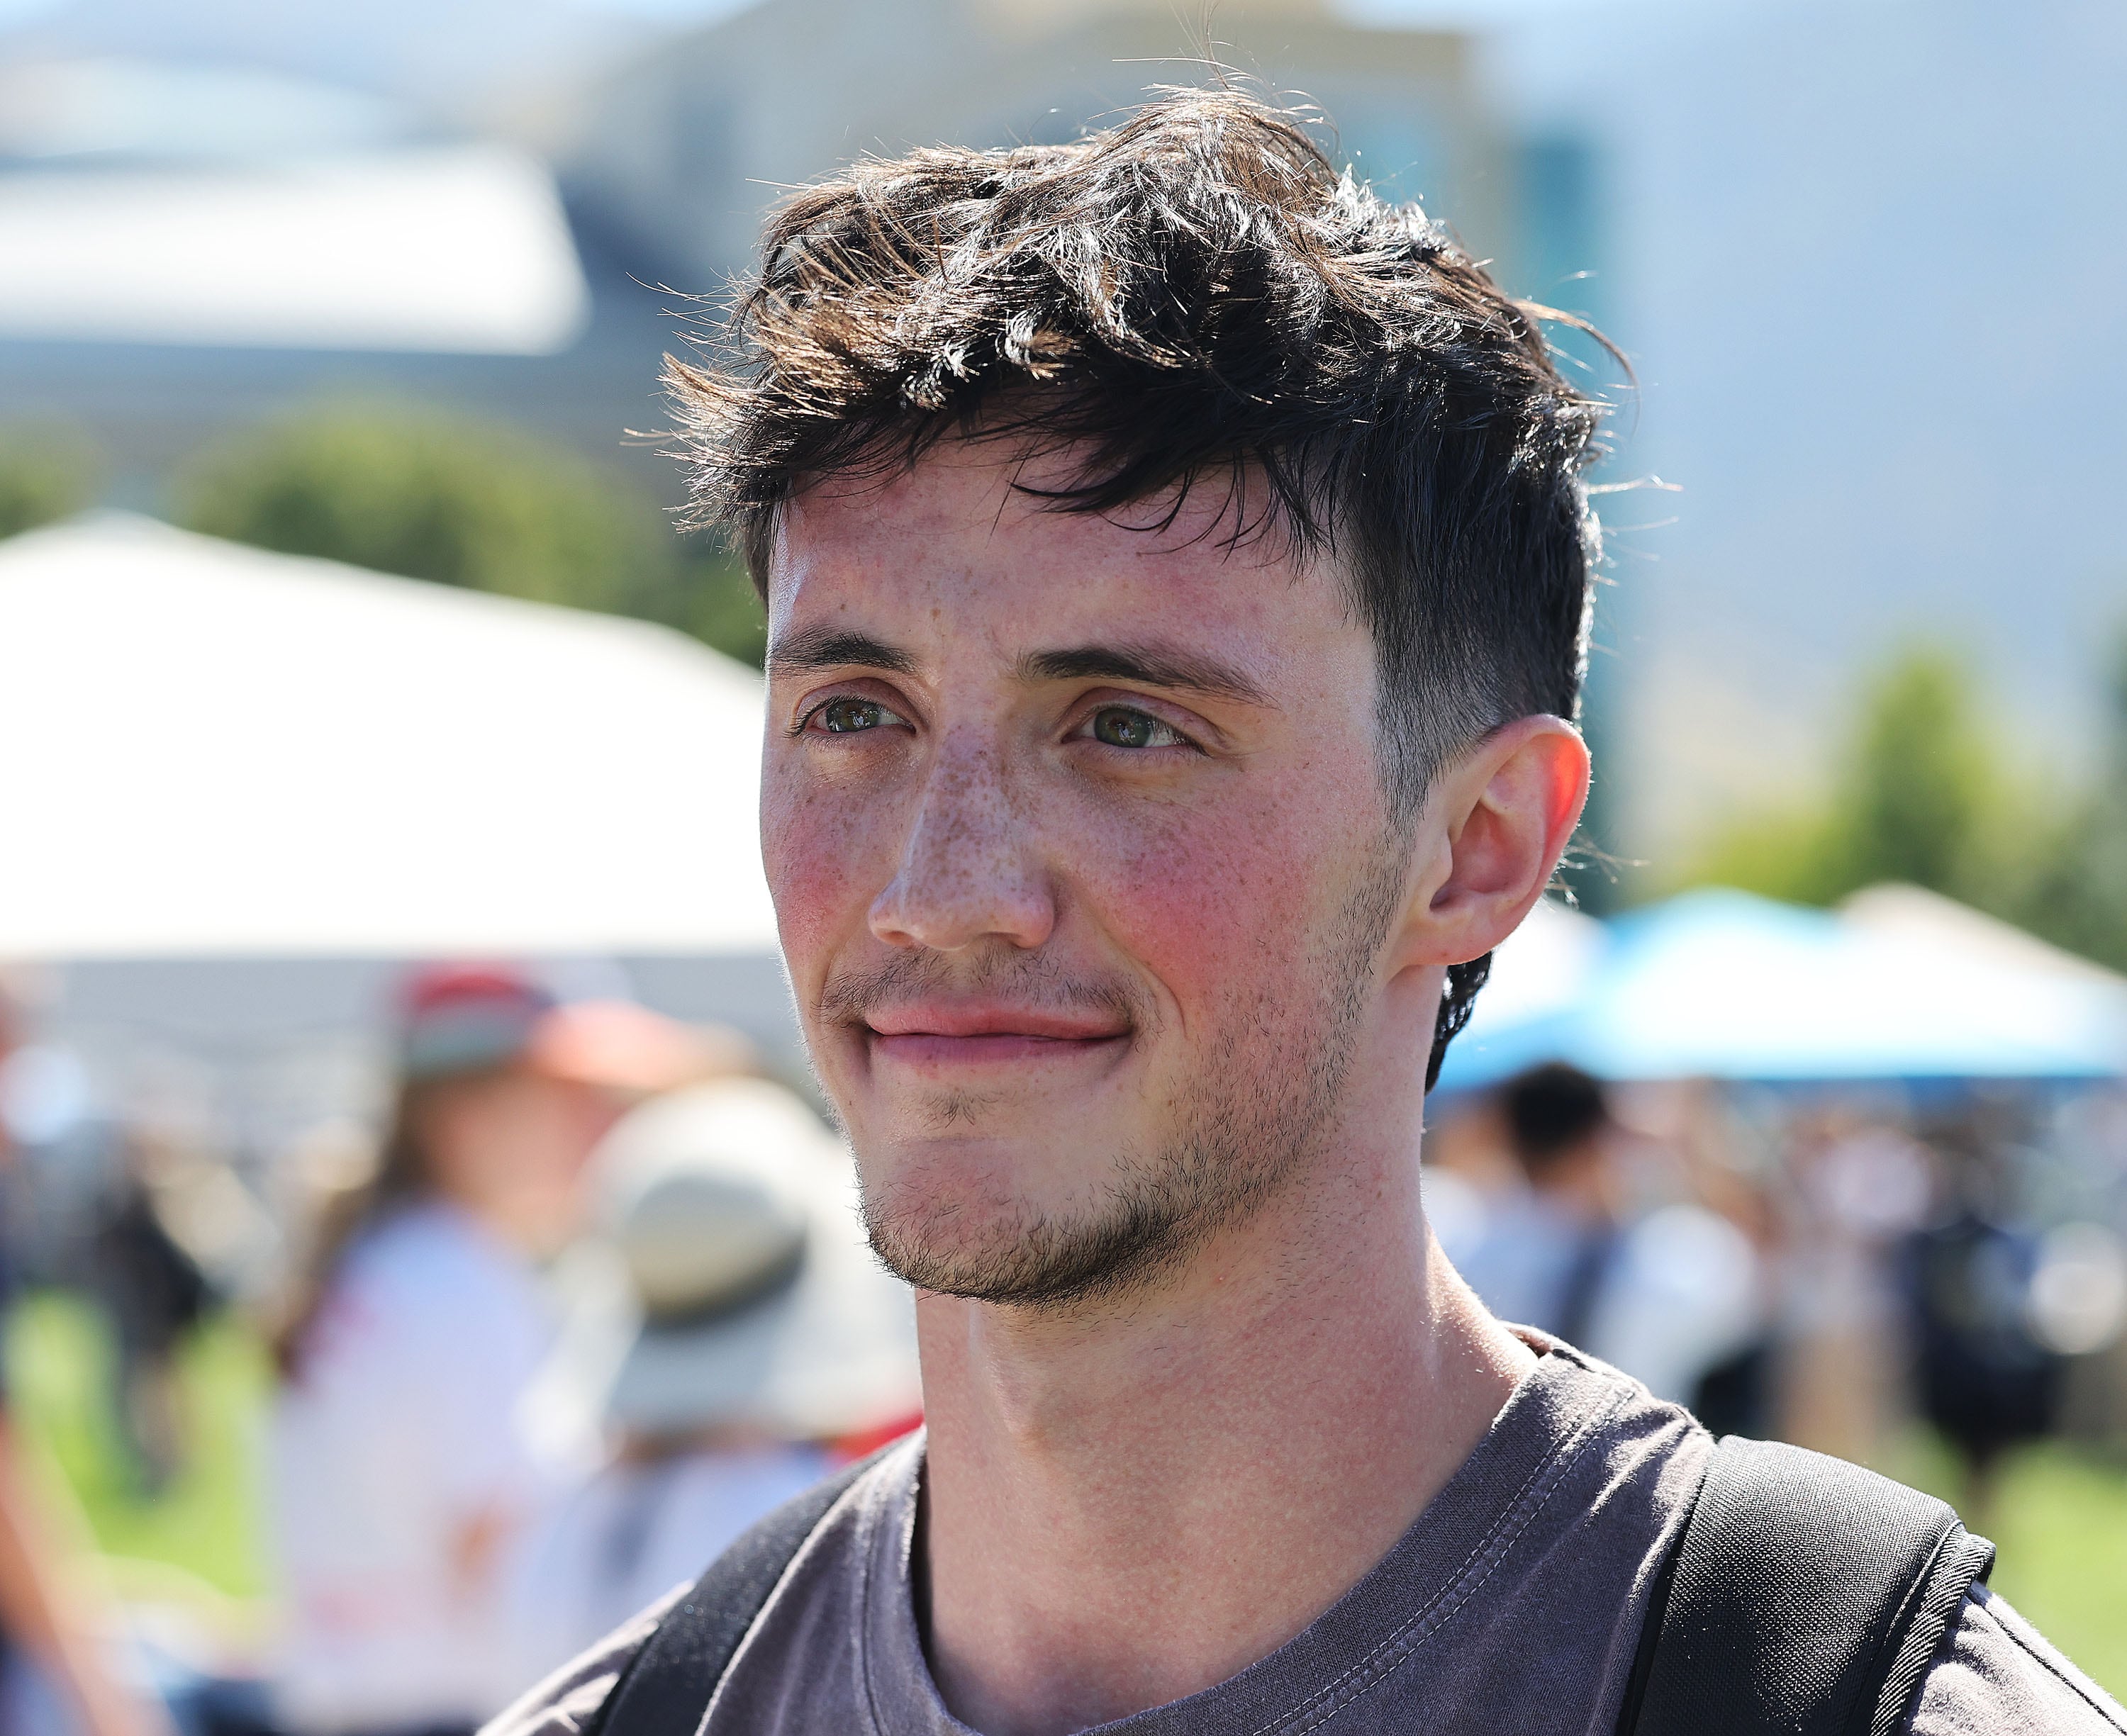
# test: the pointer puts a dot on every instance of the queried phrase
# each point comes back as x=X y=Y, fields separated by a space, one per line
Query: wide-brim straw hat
x=762 y=1308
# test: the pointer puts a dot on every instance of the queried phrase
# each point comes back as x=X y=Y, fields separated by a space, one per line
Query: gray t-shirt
x=1512 y=1605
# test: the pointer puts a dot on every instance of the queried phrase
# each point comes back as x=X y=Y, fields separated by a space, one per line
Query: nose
x=970 y=870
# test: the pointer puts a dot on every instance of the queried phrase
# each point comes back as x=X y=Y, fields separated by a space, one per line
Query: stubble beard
x=1258 y=1110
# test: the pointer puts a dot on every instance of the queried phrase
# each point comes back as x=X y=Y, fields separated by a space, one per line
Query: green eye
x=1117 y=725
x=843 y=717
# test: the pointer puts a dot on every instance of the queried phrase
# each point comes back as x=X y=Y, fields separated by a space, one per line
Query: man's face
x=1082 y=863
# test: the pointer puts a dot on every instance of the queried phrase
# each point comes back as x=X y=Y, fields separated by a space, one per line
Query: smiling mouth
x=993 y=1048
x=934 y=1039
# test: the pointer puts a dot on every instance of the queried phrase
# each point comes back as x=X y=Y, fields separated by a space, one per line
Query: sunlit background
x=344 y=625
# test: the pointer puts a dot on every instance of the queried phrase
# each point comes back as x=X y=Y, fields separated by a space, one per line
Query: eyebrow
x=827 y=647
x=1148 y=666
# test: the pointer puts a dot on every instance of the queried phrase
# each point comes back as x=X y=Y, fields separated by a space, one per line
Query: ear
x=1490 y=839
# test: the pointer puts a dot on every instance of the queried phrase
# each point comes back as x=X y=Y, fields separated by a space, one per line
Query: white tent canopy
x=215 y=751
x=1913 y=916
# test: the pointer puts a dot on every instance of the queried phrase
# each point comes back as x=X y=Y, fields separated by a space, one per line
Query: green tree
x=1917 y=797
x=2077 y=897
x=459 y=501
x=1921 y=789
x=46 y=473
x=723 y=609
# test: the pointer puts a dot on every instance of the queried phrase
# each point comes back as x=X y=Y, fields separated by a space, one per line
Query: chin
x=979 y=1192
x=957 y=1218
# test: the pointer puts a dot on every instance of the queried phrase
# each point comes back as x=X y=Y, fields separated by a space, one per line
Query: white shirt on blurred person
x=1666 y=1296
x=396 y=1451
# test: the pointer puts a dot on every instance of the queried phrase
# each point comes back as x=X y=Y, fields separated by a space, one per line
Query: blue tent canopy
x=1723 y=985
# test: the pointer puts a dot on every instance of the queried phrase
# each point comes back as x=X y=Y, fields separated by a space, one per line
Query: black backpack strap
x=669 y=1683
x=1806 y=1597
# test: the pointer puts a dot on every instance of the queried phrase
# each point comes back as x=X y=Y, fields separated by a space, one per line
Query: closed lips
x=971 y=1036
x=973 y=1022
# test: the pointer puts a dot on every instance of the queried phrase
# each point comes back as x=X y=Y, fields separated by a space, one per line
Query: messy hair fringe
x=1027 y=296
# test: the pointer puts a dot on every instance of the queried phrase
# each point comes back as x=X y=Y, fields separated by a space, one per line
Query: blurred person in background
x=1668 y=1295
x=154 y=1295
x=402 y=1467
x=770 y=1344
x=1984 y=1374
x=48 y=1619
x=1860 y=1184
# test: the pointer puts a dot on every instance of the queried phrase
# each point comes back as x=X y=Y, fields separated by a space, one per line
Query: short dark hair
x=1549 y=1109
x=1194 y=297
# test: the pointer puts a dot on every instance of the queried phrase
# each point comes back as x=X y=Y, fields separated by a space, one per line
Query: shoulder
x=1997 y=1676
x=1611 y=1419
x=568 y=1699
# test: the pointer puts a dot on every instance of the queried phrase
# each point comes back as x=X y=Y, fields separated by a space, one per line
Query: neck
x=1123 y=1507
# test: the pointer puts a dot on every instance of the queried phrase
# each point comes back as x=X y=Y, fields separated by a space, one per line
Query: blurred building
x=468 y=60
x=189 y=246
x=688 y=145
x=208 y=216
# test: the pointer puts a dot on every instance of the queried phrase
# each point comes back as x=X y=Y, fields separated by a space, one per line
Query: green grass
x=2058 y=1517
x=206 y=1520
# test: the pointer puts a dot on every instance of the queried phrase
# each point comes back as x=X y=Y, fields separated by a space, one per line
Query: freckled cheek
x=1205 y=900
x=828 y=852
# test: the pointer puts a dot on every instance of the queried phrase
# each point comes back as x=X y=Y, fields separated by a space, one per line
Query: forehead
x=962 y=544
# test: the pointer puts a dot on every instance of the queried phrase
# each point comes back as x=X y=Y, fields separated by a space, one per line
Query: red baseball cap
x=467 y=1018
